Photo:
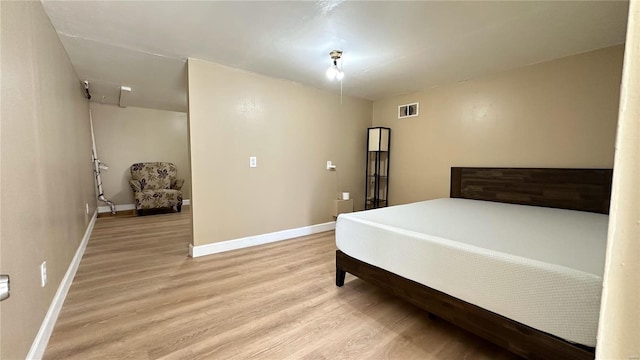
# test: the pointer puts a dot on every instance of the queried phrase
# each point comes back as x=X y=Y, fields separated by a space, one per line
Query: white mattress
x=539 y=266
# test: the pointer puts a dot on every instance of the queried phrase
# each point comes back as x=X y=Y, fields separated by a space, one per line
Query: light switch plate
x=253 y=161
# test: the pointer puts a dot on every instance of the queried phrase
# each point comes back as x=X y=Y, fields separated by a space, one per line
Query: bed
x=527 y=278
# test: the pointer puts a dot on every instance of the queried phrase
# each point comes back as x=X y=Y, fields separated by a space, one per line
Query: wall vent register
x=408 y=110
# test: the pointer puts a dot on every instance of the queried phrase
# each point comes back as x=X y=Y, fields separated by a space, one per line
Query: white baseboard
x=42 y=338
x=214 y=248
x=125 y=207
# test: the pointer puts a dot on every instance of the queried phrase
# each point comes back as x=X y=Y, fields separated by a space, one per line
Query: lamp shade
x=378 y=139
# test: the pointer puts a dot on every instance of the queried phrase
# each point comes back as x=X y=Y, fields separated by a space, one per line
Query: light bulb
x=339 y=74
x=332 y=73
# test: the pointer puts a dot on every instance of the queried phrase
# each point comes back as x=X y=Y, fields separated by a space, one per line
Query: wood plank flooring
x=137 y=295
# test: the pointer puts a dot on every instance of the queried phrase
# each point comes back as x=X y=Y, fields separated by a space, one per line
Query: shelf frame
x=377 y=169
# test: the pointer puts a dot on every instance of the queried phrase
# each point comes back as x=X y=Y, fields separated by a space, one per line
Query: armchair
x=156 y=185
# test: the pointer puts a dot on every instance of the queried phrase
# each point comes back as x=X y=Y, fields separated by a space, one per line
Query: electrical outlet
x=43 y=273
x=253 y=161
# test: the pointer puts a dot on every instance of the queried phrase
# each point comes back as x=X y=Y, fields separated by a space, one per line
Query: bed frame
x=576 y=189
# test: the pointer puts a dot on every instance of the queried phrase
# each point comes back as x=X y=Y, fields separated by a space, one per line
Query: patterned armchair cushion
x=154 y=175
x=156 y=185
x=154 y=199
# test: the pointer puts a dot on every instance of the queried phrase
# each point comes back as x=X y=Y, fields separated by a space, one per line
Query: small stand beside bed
x=574 y=189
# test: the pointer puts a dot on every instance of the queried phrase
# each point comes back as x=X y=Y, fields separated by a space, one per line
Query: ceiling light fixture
x=335 y=72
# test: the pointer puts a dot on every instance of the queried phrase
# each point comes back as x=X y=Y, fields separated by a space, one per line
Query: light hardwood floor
x=137 y=295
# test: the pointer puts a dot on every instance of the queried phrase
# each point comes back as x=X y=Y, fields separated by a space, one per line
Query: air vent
x=408 y=110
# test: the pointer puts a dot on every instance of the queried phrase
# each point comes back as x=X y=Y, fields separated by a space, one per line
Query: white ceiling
x=390 y=48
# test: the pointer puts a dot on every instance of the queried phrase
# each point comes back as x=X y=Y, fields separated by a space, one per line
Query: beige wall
x=46 y=169
x=560 y=113
x=291 y=129
x=619 y=328
x=125 y=136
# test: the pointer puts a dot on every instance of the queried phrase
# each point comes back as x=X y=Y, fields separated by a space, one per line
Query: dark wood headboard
x=574 y=189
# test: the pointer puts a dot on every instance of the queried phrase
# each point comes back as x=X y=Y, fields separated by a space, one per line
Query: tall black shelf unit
x=377 y=186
